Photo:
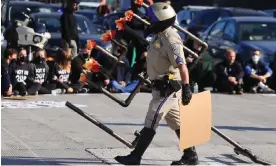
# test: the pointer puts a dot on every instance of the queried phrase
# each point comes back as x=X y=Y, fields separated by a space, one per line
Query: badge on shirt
x=157 y=45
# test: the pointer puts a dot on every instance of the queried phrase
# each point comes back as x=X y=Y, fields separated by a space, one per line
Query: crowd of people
x=61 y=74
x=230 y=75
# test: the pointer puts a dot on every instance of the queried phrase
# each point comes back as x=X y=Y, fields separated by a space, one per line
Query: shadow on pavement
x=18 y=160
x=221 y=160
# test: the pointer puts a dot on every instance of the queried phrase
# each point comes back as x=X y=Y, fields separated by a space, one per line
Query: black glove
x=186 y=94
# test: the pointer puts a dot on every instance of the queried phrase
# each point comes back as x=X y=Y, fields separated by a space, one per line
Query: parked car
x=242 y=34
x=207 y=17
x=56 y=7
x=271 y=12
x=89 y=4
x=90 y=14
x=185 y=15
x=108 y=22
x=52 y=21
x=11 y=9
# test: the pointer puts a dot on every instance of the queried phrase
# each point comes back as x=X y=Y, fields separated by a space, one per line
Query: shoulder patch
x=175 y=49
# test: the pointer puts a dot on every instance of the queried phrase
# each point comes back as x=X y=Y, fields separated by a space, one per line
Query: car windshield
x=90 y=15
x=17 y=10
x=83 y=7
x=53 y=24
x=193 y=13
x=258 y=31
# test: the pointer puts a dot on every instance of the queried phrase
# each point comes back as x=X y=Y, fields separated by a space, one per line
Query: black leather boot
x=134 y=158
x=189 y=157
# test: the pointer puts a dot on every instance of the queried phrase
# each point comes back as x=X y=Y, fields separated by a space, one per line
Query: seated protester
x=102 y=79
x=61 y=72
x=203 y=72
x=22 y=74
x=229 y=74
x=257 y=73
x=121 y=82
x=76 y=70
x=41 y=74
x=9 y=59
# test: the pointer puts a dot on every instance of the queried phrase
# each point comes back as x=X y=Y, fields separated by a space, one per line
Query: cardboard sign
x=196 y=120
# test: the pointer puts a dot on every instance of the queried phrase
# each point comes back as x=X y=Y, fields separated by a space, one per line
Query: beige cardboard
x=196 y=120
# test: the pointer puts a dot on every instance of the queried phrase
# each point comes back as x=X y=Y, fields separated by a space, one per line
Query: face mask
x=22 y=59
x=255 y=58
x=85 y=55
x=39 y=59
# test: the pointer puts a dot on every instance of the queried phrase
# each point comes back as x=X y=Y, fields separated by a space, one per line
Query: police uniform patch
x=175 y=49
x=176 y=52
x=179 y=60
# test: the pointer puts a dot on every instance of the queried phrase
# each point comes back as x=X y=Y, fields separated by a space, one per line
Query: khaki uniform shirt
x=165 y=53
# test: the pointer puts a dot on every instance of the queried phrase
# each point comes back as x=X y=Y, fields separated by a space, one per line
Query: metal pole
x=147 y=23
x=185 y=31
x=108 y=53
x=99 y=124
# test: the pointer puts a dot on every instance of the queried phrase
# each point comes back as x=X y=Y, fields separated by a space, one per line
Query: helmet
x=161 y=16
x=160 y=11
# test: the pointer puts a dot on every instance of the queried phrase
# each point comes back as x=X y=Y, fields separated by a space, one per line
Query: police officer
x=166 y=67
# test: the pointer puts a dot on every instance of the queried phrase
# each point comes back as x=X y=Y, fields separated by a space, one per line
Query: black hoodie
x=23 y=73
x=68 y=23
x=42 y=70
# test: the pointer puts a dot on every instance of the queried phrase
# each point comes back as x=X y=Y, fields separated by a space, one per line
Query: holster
x=166 y=86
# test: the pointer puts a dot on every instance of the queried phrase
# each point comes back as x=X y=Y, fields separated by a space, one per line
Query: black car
x=243 y=34
x=205 y=18
x=52 y=21
x=108 y=22
x=11 y=10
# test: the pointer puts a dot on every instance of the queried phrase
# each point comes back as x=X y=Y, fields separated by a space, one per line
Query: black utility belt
x=165 y=86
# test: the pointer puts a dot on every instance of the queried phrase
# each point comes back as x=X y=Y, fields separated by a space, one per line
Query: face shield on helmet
x=161 y=16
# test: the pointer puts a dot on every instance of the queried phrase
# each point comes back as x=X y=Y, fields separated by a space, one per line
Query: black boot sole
x=121 y=161
x=185 y=163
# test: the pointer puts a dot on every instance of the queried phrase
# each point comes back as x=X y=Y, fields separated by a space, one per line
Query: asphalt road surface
x=45 y=132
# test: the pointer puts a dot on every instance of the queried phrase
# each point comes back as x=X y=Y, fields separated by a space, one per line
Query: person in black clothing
x=22 y=74
x=203 y=72
x=76 y=68
x=137 y=27
x=229 y=74
x=60 y=74
x=9 y=59
x=121 y=81
x=41 y=74
x=69 y=31
x=11 y=36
